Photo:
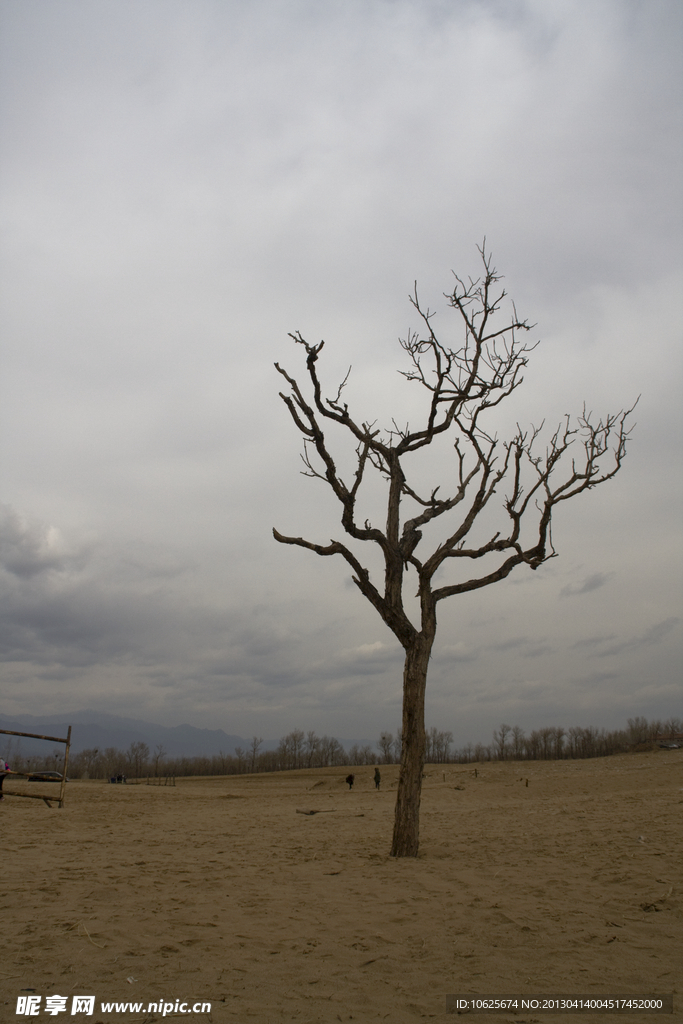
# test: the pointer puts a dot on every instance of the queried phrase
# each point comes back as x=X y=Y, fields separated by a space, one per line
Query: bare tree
x=398 y=745
x=500 y=739
x=296 y=746
x=114 y=761
x=517 y=741
x=431 y=741
x=672 y=728
x=332 y=752
x=437 y=745
x=158 y=756
x=384 y=743
x=462 y=386
x=558 y=741
x=254 y=747
x=638 y=730
x=311 y=747
x=547 y=734
x=290 y=749
x=355 y=755
x=367 y=755
x=137 y=757
x=89 y=761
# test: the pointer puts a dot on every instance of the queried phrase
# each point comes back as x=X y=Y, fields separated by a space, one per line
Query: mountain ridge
x=102 y=729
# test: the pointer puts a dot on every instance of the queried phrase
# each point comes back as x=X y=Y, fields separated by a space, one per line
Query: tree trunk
x=407 y=815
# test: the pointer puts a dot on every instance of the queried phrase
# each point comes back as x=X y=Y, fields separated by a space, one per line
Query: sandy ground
x=218 y=890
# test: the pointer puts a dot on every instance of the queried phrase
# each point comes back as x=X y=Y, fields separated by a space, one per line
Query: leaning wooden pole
x=36 y=735
x=66 y=762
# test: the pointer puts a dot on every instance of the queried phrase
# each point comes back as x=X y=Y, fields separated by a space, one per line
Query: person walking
x=350 y=779
x=378 y=778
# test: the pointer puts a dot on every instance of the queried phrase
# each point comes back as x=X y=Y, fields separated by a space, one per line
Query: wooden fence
x=40 y=776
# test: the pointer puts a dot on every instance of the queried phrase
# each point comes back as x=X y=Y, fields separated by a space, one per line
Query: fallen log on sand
x=327 y=810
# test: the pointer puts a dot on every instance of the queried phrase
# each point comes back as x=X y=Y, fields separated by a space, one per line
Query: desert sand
x=217 y=890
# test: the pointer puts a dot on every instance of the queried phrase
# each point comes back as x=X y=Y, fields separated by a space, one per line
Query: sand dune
x=217 y=890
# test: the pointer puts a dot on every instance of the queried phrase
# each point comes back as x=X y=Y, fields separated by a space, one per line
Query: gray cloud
x=655 y=634
x=590 y=583
x=30 y=548
x=458 y=652
x=182 y=185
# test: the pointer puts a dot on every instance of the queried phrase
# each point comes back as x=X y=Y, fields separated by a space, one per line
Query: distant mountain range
x=97 y=729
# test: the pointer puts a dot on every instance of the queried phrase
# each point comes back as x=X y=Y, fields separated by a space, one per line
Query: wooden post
x=66 y=762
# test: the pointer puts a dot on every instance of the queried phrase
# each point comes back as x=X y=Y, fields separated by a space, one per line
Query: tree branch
x=463 y=384
x=395 y=618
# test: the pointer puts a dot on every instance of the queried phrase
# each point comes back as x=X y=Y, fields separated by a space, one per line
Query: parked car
x=46 y=777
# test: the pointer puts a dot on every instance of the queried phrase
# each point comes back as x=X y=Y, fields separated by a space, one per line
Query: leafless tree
x=500 y=739
x=254 y=747
x=335 y=753
x=437 y=745
x=481 y=753
x=311 y=747
x=158 y=756
x=114 y=761
x=384 y=744
x=291 y=749
x=137 y=757
x=558 y=741
x=517 y=741
x=354 y=756
x=547 y=735
x=89 y=761
x=398 y=745
x=673 y=728
x=462 y=386
x=331 y=752
x=638 y=729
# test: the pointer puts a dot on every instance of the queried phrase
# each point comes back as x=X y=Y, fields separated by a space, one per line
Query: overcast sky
x=183 y=182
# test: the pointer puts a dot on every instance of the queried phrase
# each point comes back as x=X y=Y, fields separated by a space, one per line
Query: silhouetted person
x=378 y=778
x=350 y=779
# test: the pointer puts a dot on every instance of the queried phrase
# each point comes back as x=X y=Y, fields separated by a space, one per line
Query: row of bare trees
x=134 y=762
x=556 y=743
x=307 y=750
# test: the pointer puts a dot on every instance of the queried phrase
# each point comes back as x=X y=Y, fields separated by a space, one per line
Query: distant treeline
x=307 y=750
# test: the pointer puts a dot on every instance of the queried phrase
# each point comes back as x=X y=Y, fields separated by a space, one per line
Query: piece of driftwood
x=326 y=810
